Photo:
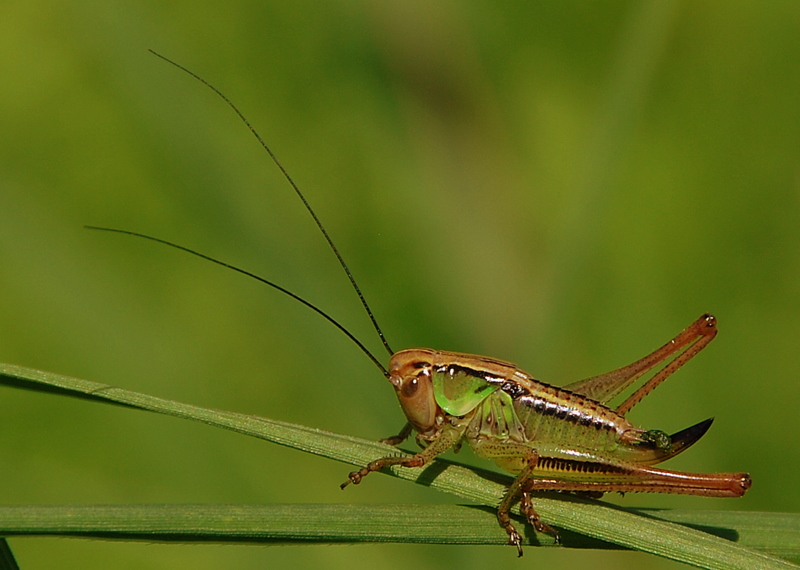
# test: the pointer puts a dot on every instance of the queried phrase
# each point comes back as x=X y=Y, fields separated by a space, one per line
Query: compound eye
x=409 y=388
x=416 y=398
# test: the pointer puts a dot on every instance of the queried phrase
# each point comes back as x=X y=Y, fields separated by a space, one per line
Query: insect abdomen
x=561 y=418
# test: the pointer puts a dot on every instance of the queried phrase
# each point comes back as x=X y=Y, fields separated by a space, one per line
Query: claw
x=514 y=539
x=354 y=478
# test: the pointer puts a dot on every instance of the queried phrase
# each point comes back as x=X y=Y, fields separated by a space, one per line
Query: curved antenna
x=294 y=296
x=299 y=194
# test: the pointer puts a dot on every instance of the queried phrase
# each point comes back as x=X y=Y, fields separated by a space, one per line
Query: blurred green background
x=554 y=184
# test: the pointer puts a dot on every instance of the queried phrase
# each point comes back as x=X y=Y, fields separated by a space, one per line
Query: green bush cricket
x=553 y=439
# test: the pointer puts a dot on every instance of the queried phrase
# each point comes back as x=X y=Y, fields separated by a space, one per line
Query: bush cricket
x=553 y=439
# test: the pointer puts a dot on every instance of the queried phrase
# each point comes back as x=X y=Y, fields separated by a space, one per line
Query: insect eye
x=410 y=388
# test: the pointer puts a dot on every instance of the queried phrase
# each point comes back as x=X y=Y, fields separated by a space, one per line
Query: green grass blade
x=776 y=533
x=275 y=524
x=590 y=518
x=7 y=560
x=335 y=523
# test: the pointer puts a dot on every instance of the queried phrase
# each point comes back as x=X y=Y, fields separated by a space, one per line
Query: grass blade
x=336 y=523
x=590 y=518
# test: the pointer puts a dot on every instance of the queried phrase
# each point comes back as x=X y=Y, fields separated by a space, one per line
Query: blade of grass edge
x=597 y=520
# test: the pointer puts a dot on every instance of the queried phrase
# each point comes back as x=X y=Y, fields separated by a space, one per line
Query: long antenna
x=294 y=296
x=305 y=203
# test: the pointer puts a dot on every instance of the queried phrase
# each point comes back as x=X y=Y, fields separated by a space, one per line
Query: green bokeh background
x=558 y=185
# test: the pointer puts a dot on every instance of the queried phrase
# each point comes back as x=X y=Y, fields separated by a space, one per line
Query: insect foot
x=515 y=540
x=526 y=508
x=356 y=476
x=533 y=518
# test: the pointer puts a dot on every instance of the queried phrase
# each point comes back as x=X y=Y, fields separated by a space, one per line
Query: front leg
x=446 y=439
